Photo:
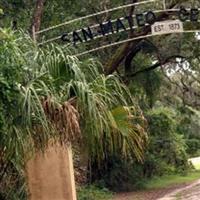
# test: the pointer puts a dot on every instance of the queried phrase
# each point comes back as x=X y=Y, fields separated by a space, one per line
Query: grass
x=170 y=180
x=93 y=193
x=178 y=196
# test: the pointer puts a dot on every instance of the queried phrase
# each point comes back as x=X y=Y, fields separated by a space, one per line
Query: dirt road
x=190 y=192
x=182 y=192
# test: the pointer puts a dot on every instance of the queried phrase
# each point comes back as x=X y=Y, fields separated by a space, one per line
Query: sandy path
x=181 y=192
x=190 y=192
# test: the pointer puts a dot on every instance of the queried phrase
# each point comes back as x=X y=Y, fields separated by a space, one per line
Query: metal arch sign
x=149 y=18
x=126 y=23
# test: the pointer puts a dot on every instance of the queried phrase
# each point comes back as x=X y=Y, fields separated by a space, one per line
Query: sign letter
x=87 y=34
x=194 y=15
x=65 y=38
x=106 y=27
x=119 y=25
x=183 y=14
x=140 y=19
x=76 y=38
x=150 y=17
x=130 y=21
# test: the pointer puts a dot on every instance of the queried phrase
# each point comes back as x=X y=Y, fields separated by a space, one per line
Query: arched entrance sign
x=174 y=24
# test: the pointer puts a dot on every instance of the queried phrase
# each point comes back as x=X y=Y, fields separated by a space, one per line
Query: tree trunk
x=50 y=175
x=121 y=53
x=37 y=16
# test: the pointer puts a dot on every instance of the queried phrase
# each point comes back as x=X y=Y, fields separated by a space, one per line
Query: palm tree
x=50 y=99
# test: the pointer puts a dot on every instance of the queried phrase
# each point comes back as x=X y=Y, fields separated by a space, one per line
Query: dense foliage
x=109 y=100
x=59 y=97
x=167 y=148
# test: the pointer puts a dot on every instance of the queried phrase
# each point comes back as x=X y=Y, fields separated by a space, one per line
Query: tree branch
x=156 y=65
x=122 y=51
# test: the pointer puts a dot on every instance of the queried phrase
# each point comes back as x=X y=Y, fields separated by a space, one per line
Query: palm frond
x=59 y=97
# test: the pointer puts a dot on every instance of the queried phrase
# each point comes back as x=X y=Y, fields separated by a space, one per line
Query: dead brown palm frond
x=64 y=118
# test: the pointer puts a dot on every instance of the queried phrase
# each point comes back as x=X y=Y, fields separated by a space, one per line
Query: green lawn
x=169 y=180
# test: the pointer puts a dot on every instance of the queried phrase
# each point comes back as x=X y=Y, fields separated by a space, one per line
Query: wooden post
x=50 y=175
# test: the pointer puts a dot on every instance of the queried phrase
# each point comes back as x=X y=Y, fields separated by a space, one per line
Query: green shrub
x=121 y=174
x=167 y=148
x=93 y=193
x=189 y=125
x=165 y=154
